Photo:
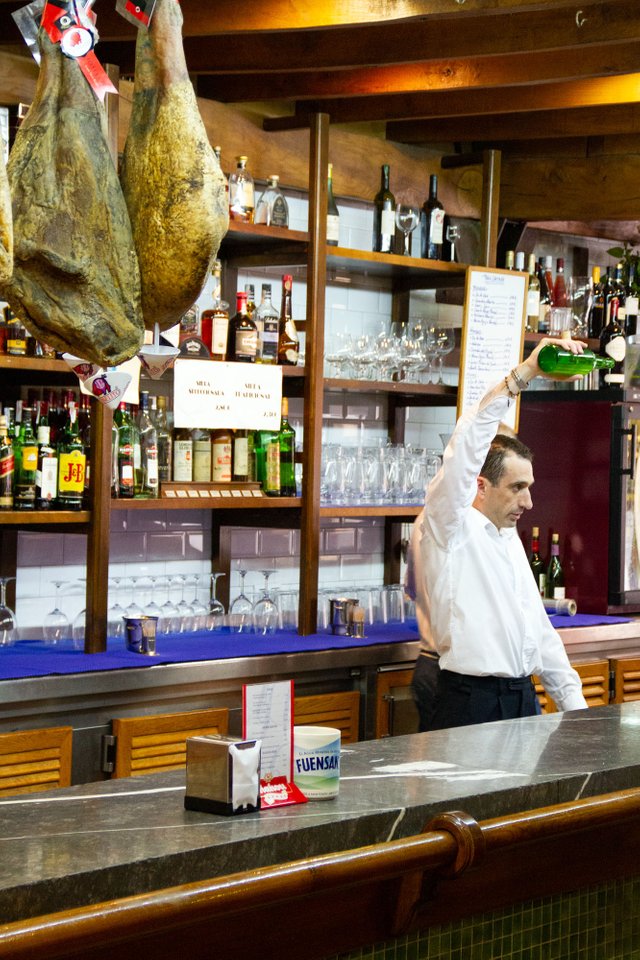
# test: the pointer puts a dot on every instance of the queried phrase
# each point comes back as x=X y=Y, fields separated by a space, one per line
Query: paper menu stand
x=267 y=714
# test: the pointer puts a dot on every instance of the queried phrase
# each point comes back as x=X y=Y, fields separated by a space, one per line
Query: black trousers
x=463 y=700
x=424 y=687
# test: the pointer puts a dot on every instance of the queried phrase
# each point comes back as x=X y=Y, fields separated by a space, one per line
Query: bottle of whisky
x=72 y=463
x=287 y=444
x=241 y=193
x=267 y=322
x=333 y=214
x=214 y=321
x=201 y=455
x=288 y=345
x=243 y=333
x=26 y=464
x=182 y=455
x=272 y=208
x=221 y=456
x=432 y=223
x=7 y=466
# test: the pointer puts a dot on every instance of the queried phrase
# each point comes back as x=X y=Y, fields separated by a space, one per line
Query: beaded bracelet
x=509 y=390
x=517 y=379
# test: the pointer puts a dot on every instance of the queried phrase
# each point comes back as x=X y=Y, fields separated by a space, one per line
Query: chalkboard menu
x=495 y=313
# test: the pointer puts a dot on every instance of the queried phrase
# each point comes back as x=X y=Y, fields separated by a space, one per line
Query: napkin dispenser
x=223 y=775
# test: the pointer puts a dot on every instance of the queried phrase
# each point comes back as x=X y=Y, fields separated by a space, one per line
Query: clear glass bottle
x=288 y=343
x=272 y=208
x=47 y=471
x=148 y=486
x=432 y=223
x=267 y=320
x=533 y=297
x=384 y=215
x=241 y=193
x=165 y=444
x=333 y=214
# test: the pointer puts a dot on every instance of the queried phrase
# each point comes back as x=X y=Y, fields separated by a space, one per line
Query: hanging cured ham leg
x=172 y=181
x=75 y=280
x=6 y=229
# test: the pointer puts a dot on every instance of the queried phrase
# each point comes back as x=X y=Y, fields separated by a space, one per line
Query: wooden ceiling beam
x=535 y=125
x=433 y=75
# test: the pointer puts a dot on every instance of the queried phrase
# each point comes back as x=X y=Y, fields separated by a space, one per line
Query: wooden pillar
x=491 y=163
x=314 y=379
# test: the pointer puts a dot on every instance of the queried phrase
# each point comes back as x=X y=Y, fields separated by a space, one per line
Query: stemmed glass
x=152 y=609
x=185 y=612
x=199 y=612
x=443 y=343
x=133 y=610
x=169 y=621
x=78 y=625
x=56 y=626
x=407 y=218
x=265 y=611
x=116 y=612
x=8 y=622
x=216 y=607
x=241 y=610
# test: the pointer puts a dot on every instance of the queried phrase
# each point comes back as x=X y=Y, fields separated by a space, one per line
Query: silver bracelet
x=517 y=379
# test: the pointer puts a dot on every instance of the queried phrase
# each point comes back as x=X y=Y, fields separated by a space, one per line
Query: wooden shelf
x=436 y=394
x=48 y=518
x=208 y=503
x=409 y=511
x=34 y=364
x=407 y=272
x=249 y=243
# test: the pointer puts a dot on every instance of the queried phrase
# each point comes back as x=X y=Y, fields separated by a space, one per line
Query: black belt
x=496 y=684
x=430 y=654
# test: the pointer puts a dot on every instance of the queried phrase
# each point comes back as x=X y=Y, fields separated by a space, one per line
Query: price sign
x=241 y=396
x=493 y=325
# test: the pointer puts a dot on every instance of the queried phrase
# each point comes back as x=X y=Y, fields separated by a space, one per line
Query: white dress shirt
x=478 y=605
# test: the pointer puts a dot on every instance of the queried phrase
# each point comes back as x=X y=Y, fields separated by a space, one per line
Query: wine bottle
x=560 y=286
x=536 y=562
x=595 y=320
x=533 y=297
x=202 y=455
x=555 y=359
x=148 y=479
x=221 y=456
x=510 y=260
x=548 y=275
x=7 y=466
x=545 y=298
x=519 y=262
x=72 y=462
x=613 y=344
x=243 y=333
x=241 y=467
x=384 y=215
x=165 y=444
x=631 y=300
x=288 y=344
x=555 y=574
x=26 y=464
x=333 y=214
x=182 y=455
x=431 y=223
x=241 y=193
x=287 y=444
x=47 y=470
x=267 y=321
x=126 y=475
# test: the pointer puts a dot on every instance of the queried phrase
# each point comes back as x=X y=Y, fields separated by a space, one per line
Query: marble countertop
x=98 y=841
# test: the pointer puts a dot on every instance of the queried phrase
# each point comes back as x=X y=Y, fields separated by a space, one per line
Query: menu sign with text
x=492 y=332
x=240 y=396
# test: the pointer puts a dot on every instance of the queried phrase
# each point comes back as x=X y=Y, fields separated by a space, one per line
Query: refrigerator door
x=624 y=544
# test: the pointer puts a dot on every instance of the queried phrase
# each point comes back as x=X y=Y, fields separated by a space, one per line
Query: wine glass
x=407 y=218
x=169 y=621
x=185 y=612
x=56 y=626
x=116 y=612
x=133 y=609
x=199 y=611
x=443 y=343
x=241 y=610
x=8 y=622
x=265 y=611
x=78 y=625
x=152 y=609
x=216 y=607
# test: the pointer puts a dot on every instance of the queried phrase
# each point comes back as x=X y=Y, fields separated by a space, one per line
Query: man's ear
x=482 y=486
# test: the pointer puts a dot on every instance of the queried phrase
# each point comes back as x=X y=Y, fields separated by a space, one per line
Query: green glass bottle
x=72 y=463
x=287 y=444
x=126 y=484
x=26 y=464
x=555 y=359
x=555 y=574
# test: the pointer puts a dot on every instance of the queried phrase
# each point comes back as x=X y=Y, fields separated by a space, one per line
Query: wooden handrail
x=136 y=926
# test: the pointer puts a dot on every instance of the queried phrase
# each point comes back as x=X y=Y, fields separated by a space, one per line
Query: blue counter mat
x=35 y=659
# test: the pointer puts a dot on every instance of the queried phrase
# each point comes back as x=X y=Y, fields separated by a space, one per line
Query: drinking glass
x=265 y=610
x=56 y=626
x=407 y=218
x=133 y=610
x=185 y=613
x=444 y=342
x=199 y=611
x=169 y=621
x=8 y=621
x=580 y=300
x=216 y=608
x=115 y=614
x=152 y=609
x=241 y=610
x=288 y=602
x=393 y=603
x=79 y=623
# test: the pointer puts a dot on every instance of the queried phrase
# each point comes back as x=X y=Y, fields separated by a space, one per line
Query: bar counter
x=40 y=688
x=89 y=843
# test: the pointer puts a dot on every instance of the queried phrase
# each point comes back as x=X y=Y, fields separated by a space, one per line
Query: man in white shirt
x=478 y=606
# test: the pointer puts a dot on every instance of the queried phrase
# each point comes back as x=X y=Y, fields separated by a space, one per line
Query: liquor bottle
x=384 y=215
x=632 y=289
x=221 y=456
x=218 y=152
x=250 y=291
x=242 y=344
x=267 y=322
x=241 y=193
x=165 y=443
x=545 y=298
x=333 y=214
x=533 y=297
x=214 y=321
x=26 y=464
x=510 y=260
x=270 y=445
x=548 y=275
x=613 y=344
x=241 y=469
x=84 y=429
x=201 y=455
x=431 y=223
x=182 y=455
x=555 y=359
x=147 y=480
x=614 y=292
x=560 y=287
x=287 y=444
x=47 y=470
x=7 y=466
x=595 y=320
x=125 y=464
x=555 y=574
x=288 y=344
x=72 y=463
x=537 y=563
x=272 y=208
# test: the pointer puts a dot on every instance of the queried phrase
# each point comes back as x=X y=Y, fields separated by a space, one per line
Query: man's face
x=505 y=503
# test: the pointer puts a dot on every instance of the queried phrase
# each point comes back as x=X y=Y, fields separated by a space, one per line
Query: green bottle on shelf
x=555 y=359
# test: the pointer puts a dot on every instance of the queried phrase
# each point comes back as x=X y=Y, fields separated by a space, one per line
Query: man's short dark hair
x=501 y=447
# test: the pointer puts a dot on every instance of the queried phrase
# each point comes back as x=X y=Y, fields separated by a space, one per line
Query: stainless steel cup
x=341 y=615
x=140 y=633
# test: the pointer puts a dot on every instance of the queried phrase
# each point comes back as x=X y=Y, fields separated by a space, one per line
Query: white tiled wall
x=161 y=543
